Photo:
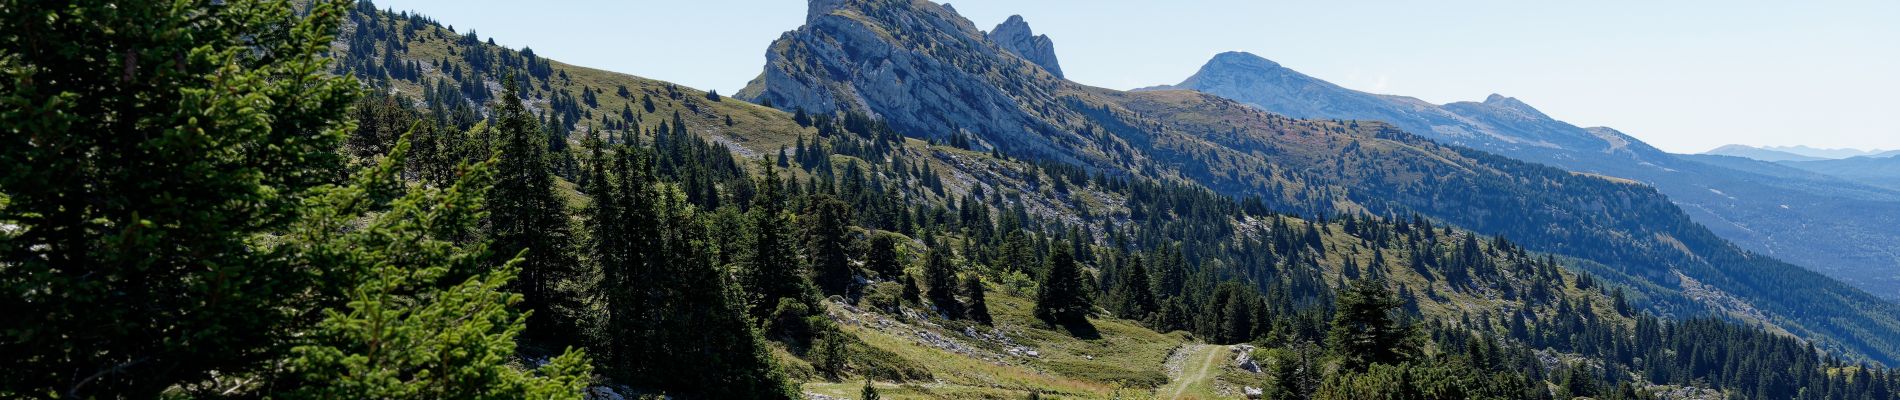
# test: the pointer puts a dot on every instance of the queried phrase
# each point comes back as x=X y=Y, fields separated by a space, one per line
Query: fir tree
x=1133 y=294
x=1367 y=330
x=151 y=154
x=869 y=392
x=1061 y=299
x=940 y=281
x=410 y=327
x=525 y=213
x=828 y=243
x=977 y=310
x=881 y=257
x=770 y=270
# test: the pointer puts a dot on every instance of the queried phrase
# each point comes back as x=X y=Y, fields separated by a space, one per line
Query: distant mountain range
x=1830 y=153
x=1796 y=153
x=1832 y=224
x=1757 y=153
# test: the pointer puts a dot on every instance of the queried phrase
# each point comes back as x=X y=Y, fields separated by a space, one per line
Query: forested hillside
x=424 y=214
x=955 y=83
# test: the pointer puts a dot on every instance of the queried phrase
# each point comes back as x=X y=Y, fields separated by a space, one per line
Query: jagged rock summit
x=1014 y=35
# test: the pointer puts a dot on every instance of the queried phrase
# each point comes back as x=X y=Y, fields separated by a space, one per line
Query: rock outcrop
x=1014 y=35
x=921 y=68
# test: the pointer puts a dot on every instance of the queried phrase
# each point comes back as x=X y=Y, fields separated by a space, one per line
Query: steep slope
x=1757 y=153
x=1467 y=287
x=897 y=59
x=1842 y=231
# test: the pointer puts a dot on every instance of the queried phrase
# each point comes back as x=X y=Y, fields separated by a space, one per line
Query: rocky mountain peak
x=1240 y=59
x=1513 y=104
x=1015 y=36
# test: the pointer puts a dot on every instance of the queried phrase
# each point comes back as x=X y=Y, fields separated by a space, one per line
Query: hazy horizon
x=1686 y=77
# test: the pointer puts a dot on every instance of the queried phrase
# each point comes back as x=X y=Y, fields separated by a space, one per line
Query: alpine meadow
x=332 y=199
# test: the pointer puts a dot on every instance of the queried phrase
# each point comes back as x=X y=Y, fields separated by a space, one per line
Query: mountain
x=1224 y=269
x=1843 y=230
x=1875 y=170
x=1824 y=153
x=943 y=79
x=1014 y=35
x=1757 y=153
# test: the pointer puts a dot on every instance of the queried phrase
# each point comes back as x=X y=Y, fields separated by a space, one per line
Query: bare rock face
x=920 y=67
x=1014 y=35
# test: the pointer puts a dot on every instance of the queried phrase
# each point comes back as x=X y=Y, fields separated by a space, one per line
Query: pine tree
x=881 y=257
x=525 y=214
x=828 y=243
x=1366 y=329
x=911 y=292
x=1061 y=299
x=709 y=348
x=410 y=326
x=150 y=154
x=770 y=270
x=940 y=281
x=1133 y=294
x=977 y=310
x=869 y=392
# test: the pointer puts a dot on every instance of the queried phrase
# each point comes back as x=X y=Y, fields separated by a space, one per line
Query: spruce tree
x=1061 y=299
x=881 y=257
x=770 y=270
x=1366 y=328
x=978 y=309
x=911 y=293
x=1133 y=294
x=707 y=348
x=940 y=281
x=152 y=149
x=828 y=244
x=869 y=392
x=409 y=325
x=525 y=213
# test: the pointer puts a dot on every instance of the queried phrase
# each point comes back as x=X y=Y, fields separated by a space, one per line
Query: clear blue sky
x=1685 y=76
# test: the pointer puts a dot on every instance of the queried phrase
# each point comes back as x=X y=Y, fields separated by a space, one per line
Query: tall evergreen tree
x=707 y=349
x=151 y=149
x=1133 y=294
x=525 y=213
x=771 y=271
x=1366 y=328
x=409 y=326
x=880 y=257
x=828 y=244
x=940 y=281
x=978 y=308
x=1060 y=298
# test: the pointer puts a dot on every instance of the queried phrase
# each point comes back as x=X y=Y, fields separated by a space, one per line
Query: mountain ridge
x=1762 y=214
x=1311 y=167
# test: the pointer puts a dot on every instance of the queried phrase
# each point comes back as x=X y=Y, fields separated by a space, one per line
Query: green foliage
x=152 y=149
x=881 y=257
x=526 y=215
x=1366 y=330
x=1060 y=298
x=977 y=309
x=771 y=272
x=940 y=279
x=828 y=243
x=869 y=393
x=409 y=329
x=829 y=355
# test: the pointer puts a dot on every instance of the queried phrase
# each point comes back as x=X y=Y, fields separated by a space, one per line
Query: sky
x=1685 y=76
